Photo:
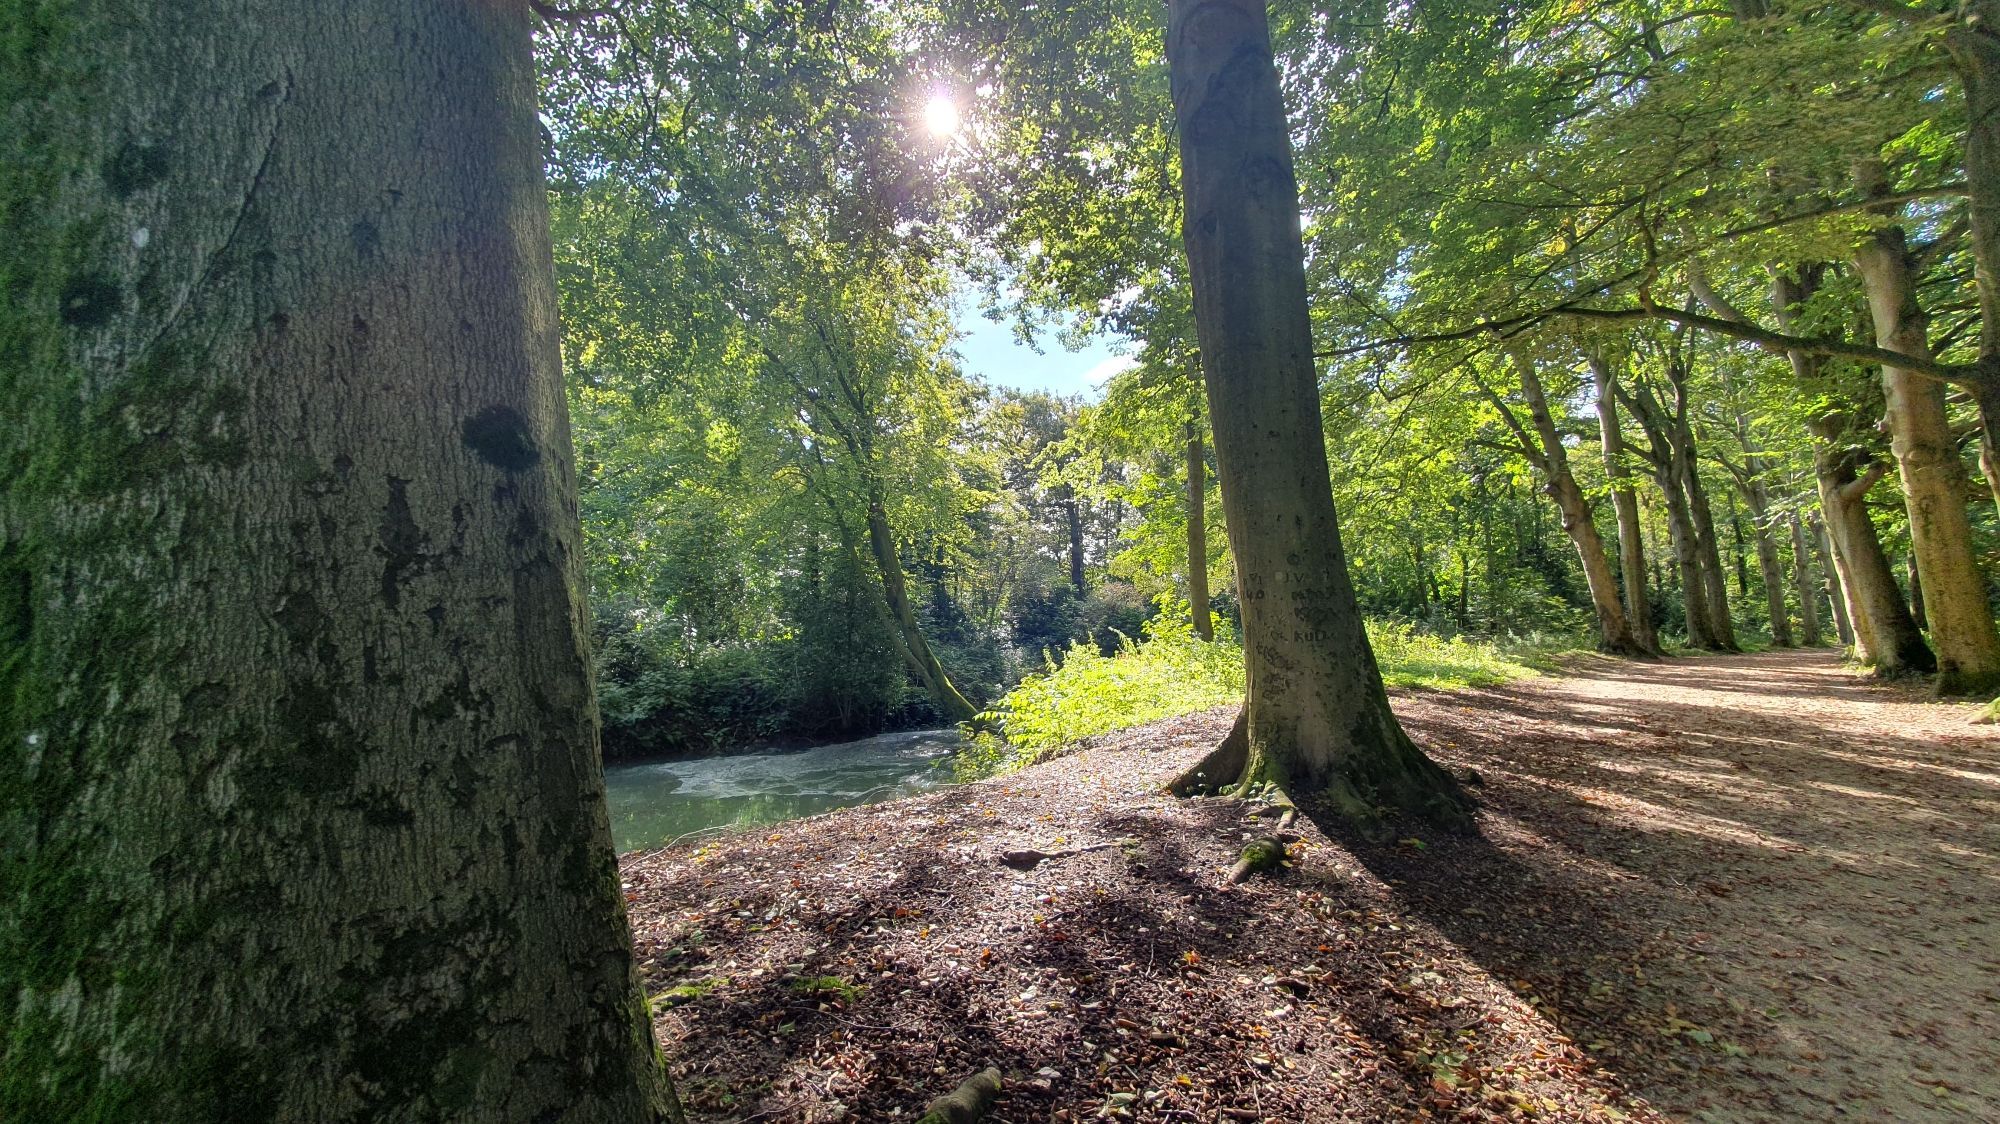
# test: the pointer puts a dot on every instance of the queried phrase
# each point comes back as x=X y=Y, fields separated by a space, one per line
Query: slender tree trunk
x=1757 y=497
x=1625 y=504
x=1072 y=510
x=915 y=649
x=304 y=818
x=1933 y=478
x=1545 y=449
x=1669 y=469
x=1802 y=584
x=1708 y=553
x=1836 y=584
x=1317 y=713
x=1915 y=581
x=1197 y=535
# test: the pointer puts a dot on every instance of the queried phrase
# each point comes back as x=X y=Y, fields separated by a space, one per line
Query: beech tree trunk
x=1625 y=504
x=907 y=632
x=1317 y=714
x=1803 y=585
x=1544 y=449
x=1974 y=43
x=1072 y=510
x=304 y=818
x=1197 y=536
x=1933 y=478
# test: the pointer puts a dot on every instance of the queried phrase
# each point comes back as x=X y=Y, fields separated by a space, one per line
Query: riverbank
x=1732 y=889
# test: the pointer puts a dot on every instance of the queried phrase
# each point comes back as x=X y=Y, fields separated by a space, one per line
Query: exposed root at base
x=967 y=1103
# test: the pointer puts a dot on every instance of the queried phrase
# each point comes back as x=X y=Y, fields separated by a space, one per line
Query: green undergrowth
x=1169 y=672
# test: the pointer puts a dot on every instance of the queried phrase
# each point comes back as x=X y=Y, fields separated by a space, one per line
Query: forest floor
x=1739 y=888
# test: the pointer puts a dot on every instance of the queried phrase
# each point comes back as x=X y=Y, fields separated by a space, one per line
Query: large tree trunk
x=1707 y=550
x=907 y=632
x=1974 y=43
x=1197 y=536
x=304 y=817
x=1933 y=478
x=1802 y=583
x=1625 y=504
x=1544 y=448
x=1317 y=714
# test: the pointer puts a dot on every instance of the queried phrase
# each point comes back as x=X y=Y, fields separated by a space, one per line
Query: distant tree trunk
x=908 y=632
x=1802 y=583
x=1757 y=497
x=1317 y=715
x=1544 y=449
x=1836 y=585
x=1072 y=510
x=1670 y=468
x=1708 y=552
x=1625 y=504
x=304 y=817
x=1197 y=535
x=1933 y=478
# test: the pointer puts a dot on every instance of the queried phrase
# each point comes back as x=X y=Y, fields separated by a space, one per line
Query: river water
x=656 y=804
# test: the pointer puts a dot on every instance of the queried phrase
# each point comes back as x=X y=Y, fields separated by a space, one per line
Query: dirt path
x=1750 y=888
x=1803 y=864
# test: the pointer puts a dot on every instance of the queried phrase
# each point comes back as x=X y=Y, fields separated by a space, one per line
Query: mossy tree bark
x=304 y=817
x=1625 y=505
x=1933 y=478
x=1974 y=43
x=1317 y=714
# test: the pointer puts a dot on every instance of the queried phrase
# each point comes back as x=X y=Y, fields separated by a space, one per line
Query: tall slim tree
x=304 y=817
x=1316 y=715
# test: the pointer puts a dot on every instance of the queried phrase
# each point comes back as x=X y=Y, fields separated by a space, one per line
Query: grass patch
x=1169 y=673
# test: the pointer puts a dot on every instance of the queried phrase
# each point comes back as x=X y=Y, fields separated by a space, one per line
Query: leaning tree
x=304 y=817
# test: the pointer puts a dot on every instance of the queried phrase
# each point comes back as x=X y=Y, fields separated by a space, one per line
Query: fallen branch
x=967 y=1103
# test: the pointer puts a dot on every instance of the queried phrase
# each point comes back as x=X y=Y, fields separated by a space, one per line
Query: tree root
x=1262 y=853
x=967 y=1103
x=1221 y=766
x=1029 y=858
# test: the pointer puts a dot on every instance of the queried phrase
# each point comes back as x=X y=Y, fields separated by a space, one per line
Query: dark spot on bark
x=204 y=698
x=379 y=809
x=135 y=167
x=501 y=438
x=300 y=616
x=526 y=527
x=436 y=615
x=369 y=675
x=360 y=329
x=367 y=239
x=270 y=89
x=279 y=321
x=343 y=464
x=17 y=600
x=90 y=300
x=401 y=541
